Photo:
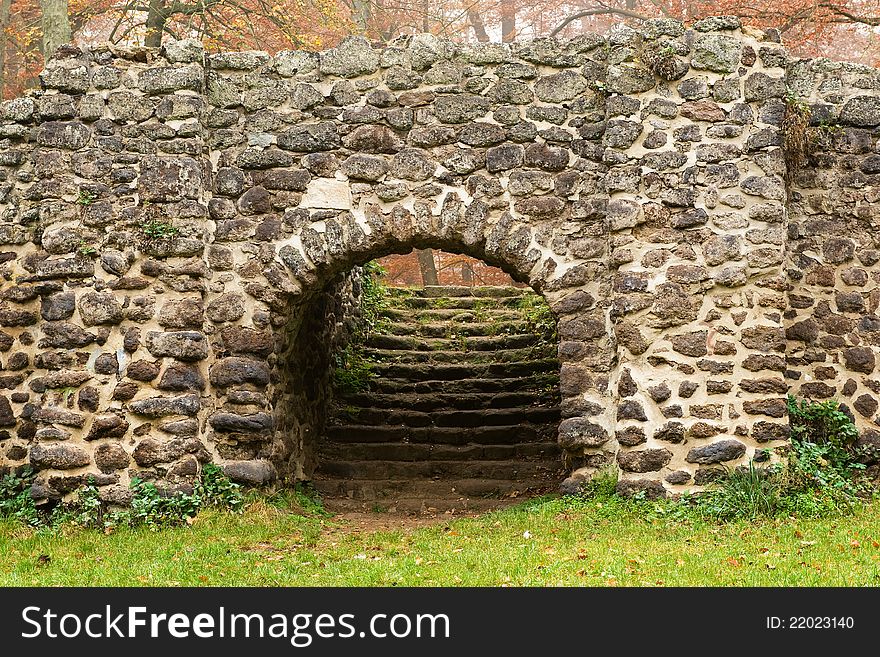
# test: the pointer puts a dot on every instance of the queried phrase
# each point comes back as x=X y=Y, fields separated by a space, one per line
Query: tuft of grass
x=539 y=317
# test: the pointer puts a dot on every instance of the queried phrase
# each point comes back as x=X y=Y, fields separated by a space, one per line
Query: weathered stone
x=718 y=452
x=579 y=432
x=162 y=406
x=373 y=139
x=183 y=345
x=652 y=490
x=502 y=158
x=351 y=58
x=152 y=451
x=99 y=308
x=182 y=377
x=182 y=314
x=236 y=371
x=691 y=344
x=251 y=473
x=107 y=426
x=110 y=457
x=164 y=179
x=364 y=167
x=170 y=79
x=671 y=432
x=230 y=422
x=860 y=359
x=717 y=53
x=644 y=460
x=60 y=456
x=866 y=405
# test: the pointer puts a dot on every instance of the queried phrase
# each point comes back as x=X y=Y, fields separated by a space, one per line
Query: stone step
x=457 y=303
x=436 y=489
x=497 y=435
x=398 y=451
x=413 y=316
x=449 y=372
x=418 y=506
x=469 y=343
x=512 y=470
x=453 y=330
x=448 y=356
x=373 y=416
x=480 y=291
x=440 y=401
x=537 y=383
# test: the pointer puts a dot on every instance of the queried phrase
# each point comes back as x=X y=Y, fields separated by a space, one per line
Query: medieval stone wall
x=170 y=220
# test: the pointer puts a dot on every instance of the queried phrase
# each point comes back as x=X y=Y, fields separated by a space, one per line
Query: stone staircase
x=461 y=413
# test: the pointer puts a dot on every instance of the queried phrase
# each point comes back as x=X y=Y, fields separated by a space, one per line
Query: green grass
x=603 y=541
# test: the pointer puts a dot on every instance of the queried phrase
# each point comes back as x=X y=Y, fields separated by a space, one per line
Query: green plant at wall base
x=149 y=507
x=216 y=490
x=352 y=371
x=824 y=448
x=159 y=230
x=822 y=474
x=748 y=492
x=15 y=497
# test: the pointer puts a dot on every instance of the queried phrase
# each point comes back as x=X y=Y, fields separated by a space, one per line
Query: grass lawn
x=544 y=542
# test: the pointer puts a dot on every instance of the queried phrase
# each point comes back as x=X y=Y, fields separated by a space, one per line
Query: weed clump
x=822 y=474
x=149 y=506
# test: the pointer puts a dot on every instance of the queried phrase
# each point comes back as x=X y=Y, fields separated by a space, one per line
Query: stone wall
x=169 y=222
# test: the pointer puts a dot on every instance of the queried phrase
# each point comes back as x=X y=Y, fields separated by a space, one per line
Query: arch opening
x=423 y=398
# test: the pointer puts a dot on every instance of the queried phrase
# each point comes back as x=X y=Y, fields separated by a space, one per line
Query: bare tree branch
x=597 y=12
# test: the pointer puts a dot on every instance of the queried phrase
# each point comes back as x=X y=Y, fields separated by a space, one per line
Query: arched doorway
x=322 y=258
x=442 y=397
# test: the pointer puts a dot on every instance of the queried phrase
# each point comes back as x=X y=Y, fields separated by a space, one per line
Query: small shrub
x=15 y=497
x=159 y=230
x=539 y=317
x=86 y=197
x=309 y=500
x=85 y=249
x=352 y=371
x=149 y=506
x=215 y=489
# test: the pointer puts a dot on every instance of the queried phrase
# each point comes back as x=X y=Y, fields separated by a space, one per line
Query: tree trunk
x=479 y=27
x=361 y=12
x=508 y=21
x=4 y=43
x=55 y=24
x=467 y=274
x=156 y=17
x=427 y=267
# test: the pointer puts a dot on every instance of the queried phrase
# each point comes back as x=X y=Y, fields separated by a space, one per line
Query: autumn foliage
x=844 y=29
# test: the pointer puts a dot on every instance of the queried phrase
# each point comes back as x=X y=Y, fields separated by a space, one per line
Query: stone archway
x=470 y=230
x=164 y=214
